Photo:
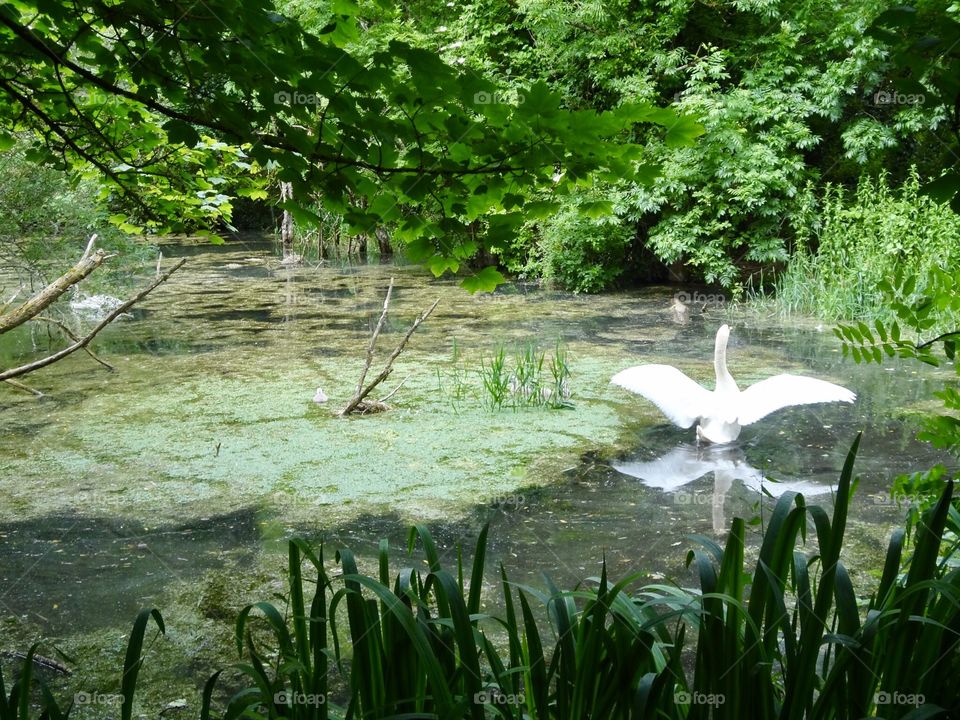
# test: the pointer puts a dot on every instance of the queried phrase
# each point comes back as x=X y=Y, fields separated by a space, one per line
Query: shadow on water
x=68 y=573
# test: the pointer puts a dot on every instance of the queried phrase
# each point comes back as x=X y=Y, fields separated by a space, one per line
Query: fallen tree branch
x=39 y=302
x=90 y=242
x=388 y=368
x=69 y=333
x=85 y=340
x=25 y=388
x=8 y=303
x=394 y=391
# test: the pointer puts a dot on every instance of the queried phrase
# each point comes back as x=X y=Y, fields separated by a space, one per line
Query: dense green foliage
x=785 y=641
x=791 y=95
x=534 y=131
x=47 y=217
x=175 y=107
x=925 y=62
x=579 y=252
x=926 y=310
x=457 y=131
x=858 y=240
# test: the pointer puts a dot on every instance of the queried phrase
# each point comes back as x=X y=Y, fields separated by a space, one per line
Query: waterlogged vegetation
x=178 y=441
x=199 y=531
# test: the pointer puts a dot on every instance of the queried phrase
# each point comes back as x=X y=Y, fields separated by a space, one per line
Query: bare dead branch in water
x=358 y=402
x=373 y=339
x=85 y=340
x=8 y=303
x=90 y=242
x=39 y=302
x=394 y=391
x=39 y=661
x=25 y=388
x=69 y=333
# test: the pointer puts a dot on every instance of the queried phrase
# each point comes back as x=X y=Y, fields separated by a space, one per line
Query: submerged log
x=39 y=661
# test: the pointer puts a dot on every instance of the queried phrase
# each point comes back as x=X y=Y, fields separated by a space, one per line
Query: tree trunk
x=286 y=224
x=383 y=241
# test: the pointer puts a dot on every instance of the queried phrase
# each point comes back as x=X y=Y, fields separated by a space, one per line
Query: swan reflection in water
x=686 y=463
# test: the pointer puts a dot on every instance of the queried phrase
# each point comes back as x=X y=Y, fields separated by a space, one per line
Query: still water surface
x=204 y=452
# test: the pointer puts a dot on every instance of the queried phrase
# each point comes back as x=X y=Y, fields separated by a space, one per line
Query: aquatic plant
x=526 y=384
x=862 y=239
x=560 y=372
x=785 y=641
x=18 y=705
x=453 y=383
x=495 y=379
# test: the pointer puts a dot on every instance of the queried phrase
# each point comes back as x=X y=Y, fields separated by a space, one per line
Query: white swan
x=720 y=414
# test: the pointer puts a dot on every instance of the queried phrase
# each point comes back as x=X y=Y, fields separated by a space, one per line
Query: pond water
x=204 y=452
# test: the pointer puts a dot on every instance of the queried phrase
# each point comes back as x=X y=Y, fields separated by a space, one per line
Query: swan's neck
x=725 y=381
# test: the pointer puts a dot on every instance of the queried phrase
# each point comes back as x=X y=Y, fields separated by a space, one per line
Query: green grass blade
x=5 y=713
x=431 y=666
x=563 y=614
x=50 y=708
x=300 y=634
x=535 y=680
x=891 y=567
x=368 y=660
x=801 y=679
x=433 y=558
x=245 y=701
x=476 y=574
x=133 y=659
x=207 y=696
x=516 y=647
x=466 y=642
x=23 y=684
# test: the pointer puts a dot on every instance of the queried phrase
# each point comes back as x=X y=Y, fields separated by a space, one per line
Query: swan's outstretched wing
x=679 y=398
x=781 y=391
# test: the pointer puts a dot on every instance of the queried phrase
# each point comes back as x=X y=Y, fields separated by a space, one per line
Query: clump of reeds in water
x=530 y=381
